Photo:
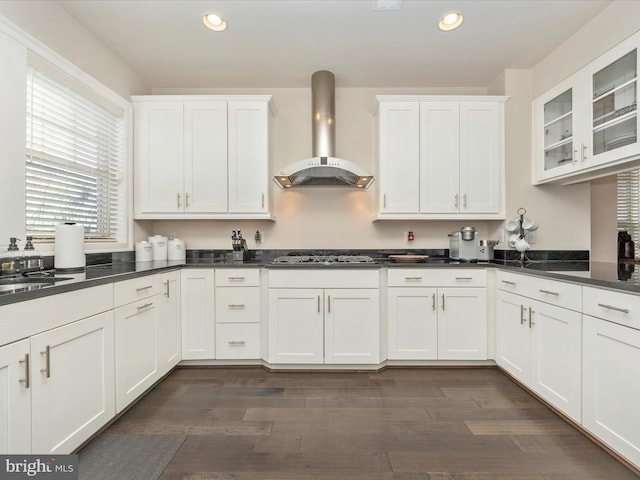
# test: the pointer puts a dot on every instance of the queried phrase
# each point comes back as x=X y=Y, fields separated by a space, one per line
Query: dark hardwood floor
x=400 y=424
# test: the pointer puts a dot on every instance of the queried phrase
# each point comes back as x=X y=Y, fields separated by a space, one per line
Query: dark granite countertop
x=623 y=277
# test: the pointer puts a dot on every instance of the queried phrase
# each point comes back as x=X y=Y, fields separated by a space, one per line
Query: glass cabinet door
x=558 y=130
x=614 y=105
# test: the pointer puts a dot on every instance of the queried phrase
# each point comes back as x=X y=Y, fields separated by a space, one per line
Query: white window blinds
x=74 y=157
x=629 y=205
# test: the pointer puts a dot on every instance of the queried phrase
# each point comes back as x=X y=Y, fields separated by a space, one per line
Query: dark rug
x=123 y=457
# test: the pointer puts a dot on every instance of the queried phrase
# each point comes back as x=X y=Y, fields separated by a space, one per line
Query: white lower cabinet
x=15 y=398
x=169 y=324
x=611 y=385
x=540 y=345
x=198 y=310
x=72 y=382
x=324 y=325
x=426 y=322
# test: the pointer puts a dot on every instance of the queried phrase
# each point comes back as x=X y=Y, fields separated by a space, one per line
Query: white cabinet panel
x=237 y=304
x=73 y=383
x=513 y=348
x=413 y=323
x=169 y=323
x=462 y=324
x=239 y=341
x=198 y=310
x=15 y=398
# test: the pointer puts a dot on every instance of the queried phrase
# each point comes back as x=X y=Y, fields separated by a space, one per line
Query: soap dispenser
x=33 y=261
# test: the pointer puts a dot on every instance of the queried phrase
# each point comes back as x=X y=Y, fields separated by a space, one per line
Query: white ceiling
x=280 y=43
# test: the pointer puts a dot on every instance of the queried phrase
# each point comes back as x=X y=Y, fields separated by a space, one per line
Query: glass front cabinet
x=589 y=122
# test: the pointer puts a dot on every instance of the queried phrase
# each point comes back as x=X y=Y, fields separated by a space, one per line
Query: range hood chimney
x=323 y=169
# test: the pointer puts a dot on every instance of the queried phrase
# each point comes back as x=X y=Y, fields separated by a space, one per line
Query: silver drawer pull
x=235 y=278
x=413 y=278
x=146 y=305
x=464 y=278
x=26 y=380
x=141 y=289
x=236 y=305
x=47 y=361
x=549 y=292
x=611 y=307
x=237 y=343
x=508 y=282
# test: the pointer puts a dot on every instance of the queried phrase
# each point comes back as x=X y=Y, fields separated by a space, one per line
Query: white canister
x=159 y=247
x=176 y=250
x=69 y=247
x=144 y=251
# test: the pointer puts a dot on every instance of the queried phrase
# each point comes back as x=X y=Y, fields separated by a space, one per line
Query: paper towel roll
x=159 y=247
x=69 y=247
x=176 y=250
x=144 y=251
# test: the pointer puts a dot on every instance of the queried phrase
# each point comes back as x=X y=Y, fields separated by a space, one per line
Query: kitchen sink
x=28 y=283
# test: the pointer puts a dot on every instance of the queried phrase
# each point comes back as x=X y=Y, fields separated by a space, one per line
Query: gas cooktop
x=323 y=259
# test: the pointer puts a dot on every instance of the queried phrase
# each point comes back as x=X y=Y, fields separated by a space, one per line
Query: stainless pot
x=468 y=233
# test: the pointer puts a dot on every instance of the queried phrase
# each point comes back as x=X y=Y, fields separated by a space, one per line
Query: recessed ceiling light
x=449 y=21
x=214 y=22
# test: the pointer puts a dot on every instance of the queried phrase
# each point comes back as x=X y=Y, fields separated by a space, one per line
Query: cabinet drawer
x=622 y=308
x=135 y=289
x=238 y=341
x=233 y=277
x=329 y=278
x=441 y=277
x=566 y=295
x=237 y=304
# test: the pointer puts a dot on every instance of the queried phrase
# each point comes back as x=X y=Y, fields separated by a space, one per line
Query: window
x=75 y=157
x=629 y=205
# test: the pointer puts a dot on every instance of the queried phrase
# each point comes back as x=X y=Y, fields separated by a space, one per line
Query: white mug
x=512 y=226
x=513 y=239
x=522 y=245
x=529 y=224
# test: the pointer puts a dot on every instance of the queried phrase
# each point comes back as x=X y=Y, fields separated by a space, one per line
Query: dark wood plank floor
x=400 y=424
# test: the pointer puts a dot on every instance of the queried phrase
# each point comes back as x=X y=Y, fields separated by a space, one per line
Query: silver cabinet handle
x=464 y=278
x=236 y=305
x=443 y=302
x=237 y=343
x=611 y=307
x=166 y=293
x=329 y=303
x=464 y=200
x=455 y=200
x=531 y=322
x=549 y=292
x=27 y=379
x=384 y=200
x=584 y=152
x=413 y=278
x=522 y=319
x=508 y=282
x=186 y=200
x=47 y=361
x=141 y=289
x=178 y=200
x=231 y=279
x=575 y=156
x=433 y=302
x=318 y=303
x=146 y=305
x=263 y=200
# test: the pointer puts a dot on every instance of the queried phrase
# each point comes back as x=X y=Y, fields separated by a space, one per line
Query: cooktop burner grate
x=324 y=259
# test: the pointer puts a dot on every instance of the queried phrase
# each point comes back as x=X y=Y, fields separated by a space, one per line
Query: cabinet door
x=462 y=324
x=439 y=157
x=611 y=385
x=480 y=157
x=413 y=324
x=399 y=156
x=512 y=335
x=72 y=374
x=296 y=329
x=169 y=325
x=611 y=120
x=352 y=326
x=159 y=157
x=198 y=310
x=248 y=157
x=15 y=398
x=556 y=356
x=557 y=127
x=136 y=334
x=205 y=149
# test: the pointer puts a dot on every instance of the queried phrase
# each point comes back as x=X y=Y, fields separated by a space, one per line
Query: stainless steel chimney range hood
x=324 y=169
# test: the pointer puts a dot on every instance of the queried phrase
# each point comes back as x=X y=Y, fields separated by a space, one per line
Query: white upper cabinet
x=440 y=157
x=201 y=157
x=587 y=126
